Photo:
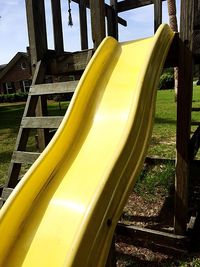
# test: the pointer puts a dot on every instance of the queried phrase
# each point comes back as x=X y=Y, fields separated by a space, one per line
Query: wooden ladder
x=35 y=117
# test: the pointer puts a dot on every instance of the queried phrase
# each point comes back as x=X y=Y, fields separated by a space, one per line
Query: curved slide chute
x=65 y=209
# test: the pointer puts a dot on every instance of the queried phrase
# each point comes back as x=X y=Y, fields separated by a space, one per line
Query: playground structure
x=58 y=62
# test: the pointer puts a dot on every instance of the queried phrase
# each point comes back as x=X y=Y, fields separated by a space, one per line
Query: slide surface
x=65 y=209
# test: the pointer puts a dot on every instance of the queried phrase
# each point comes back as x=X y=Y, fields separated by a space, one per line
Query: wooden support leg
x=111 y=261
x=184 y=103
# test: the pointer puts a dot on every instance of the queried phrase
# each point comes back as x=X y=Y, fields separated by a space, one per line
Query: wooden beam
x=24 y=157
x=83 y=24
x=53 y=88
x=70 y=63
x=57 y=26
x=49 y=122
x=184 y=103
x=112 y=21
x=120 y=20
x=97 y=11
x=157 y=14
x=157 y=237
x=37 y=30
x=130 y=4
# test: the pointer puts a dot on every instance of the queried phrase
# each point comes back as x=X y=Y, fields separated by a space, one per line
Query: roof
x=2 y=67
x=13 y=61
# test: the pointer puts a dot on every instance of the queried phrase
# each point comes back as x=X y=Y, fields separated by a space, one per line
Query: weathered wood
x=53 y=88
x=112 y=22
x=23 y=134
x=158 y=237
x=83 y=24
x=107 y=7
x=184 y=103
x=196 y=109
x=172 y=59
x=36 y=30
x=157 y=14
x=195 y=123
x=130 y=4
x=57 y=26
x=6 y=193
x=70 y=63
x=41 y=122
x=97 y=11
x=111 y=260
x=24 y=157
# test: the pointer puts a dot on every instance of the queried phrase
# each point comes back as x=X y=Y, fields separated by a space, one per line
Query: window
x=26 y=85
x=23 y=65
x=9 y=87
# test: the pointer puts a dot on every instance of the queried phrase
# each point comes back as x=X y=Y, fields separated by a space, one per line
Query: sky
x=14 y=36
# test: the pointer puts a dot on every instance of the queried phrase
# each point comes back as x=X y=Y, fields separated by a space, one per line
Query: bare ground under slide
x=65 y=209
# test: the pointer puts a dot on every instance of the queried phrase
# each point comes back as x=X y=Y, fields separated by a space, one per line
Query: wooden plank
x=112 y=22
x=70 y=63
x=41 y=122
x=1 y=202
x=184 y=103
x=6 y=193
x=24 y=157
x=196 y=109
x=23 y=134
x=158 y=237
x=57 y=26
x=157 y=14
x=36 y=30
x=107 y=7
x=111 y=260
x=130 y=4
x=53 y=88
x=172 y=59
x=83 y=24
x=195 y=123
x=97 y=11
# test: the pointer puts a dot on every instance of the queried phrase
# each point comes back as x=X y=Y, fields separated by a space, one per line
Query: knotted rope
x=70 y=22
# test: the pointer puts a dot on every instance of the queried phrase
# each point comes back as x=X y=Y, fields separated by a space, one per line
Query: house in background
x=16 y=75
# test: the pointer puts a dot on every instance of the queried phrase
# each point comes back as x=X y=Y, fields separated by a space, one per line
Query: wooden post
x=157 y=14
x=97 y=9
x=38 y=50
x=36 y=30
x=83 y=24
x=112 y=19
x=57 y=26
x=184 y=102
x=111 y=260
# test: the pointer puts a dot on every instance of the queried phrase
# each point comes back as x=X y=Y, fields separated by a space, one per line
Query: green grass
x=11 y=115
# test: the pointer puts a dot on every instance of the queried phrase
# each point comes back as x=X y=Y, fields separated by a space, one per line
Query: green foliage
x=10 y=98
x=166 y=81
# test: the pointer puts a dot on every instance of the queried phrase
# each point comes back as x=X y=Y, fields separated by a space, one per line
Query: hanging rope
x=172 y=15
x=174 y=26
x=70 y=22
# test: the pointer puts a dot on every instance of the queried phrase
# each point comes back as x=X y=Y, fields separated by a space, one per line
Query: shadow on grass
x=165 y=121
x=5 y=157
x=11 y=116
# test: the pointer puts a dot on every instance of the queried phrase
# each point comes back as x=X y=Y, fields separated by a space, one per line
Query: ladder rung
x=195 y=109
x=41 y=122
x=24 y=157
x=6 y=193
x=195 y=123
x=53 y=88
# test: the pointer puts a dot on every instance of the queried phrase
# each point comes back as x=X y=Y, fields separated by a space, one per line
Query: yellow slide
x=65 y=209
